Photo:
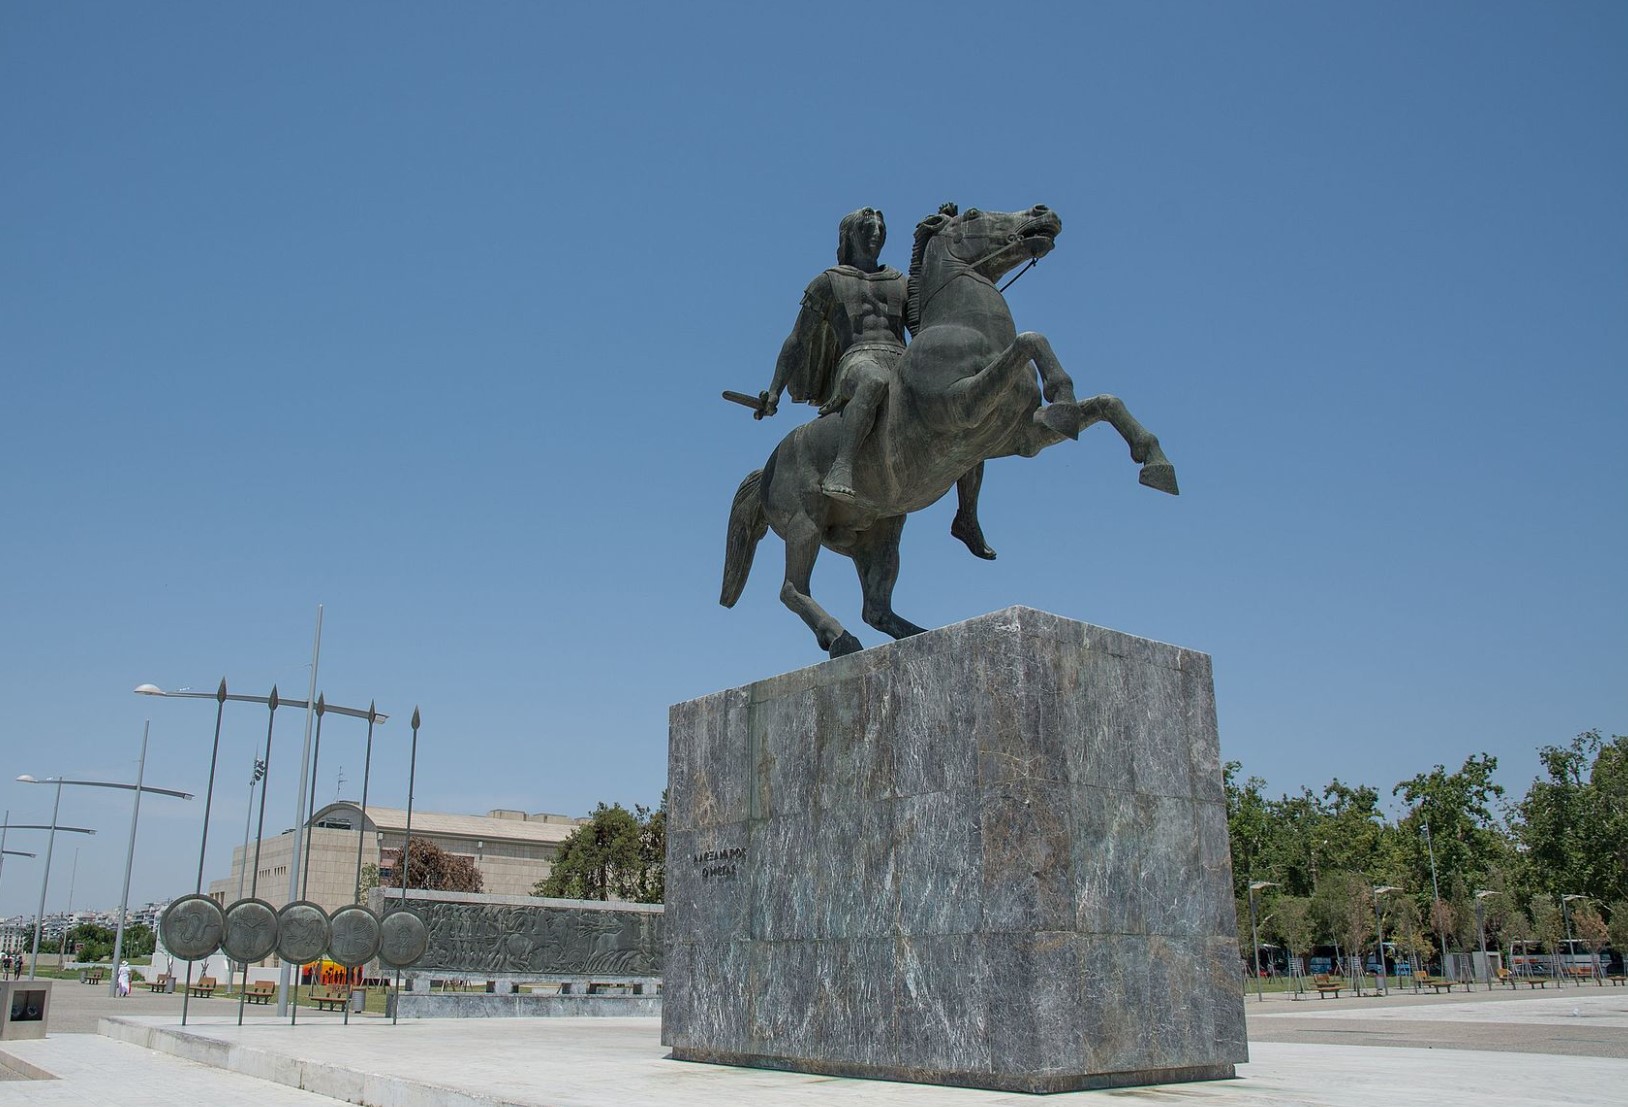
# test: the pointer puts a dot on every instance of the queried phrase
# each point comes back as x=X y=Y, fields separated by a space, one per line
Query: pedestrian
x=124 y=979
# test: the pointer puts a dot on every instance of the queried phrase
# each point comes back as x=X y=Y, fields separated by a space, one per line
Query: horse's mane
x=925 y=230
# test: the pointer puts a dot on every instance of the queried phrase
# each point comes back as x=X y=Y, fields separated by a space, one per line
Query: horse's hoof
x=1065 y=419
x=973 y=536
x=845 y=645
x=840 y=492
x=1160 y=475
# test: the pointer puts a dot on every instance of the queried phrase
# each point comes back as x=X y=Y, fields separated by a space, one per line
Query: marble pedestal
x=993 y=855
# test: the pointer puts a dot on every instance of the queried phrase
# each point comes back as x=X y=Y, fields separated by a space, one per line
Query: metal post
x=1255 y=939
x=203 y=839
x=406 y=849
x=1435 y=903
x=361 y=823
x=1481 y=938
x=299 y=803
x=129 y=860
x=39 y=916
x=259 y=836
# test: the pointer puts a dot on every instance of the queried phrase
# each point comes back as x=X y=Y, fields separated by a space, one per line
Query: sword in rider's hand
x=759 y=403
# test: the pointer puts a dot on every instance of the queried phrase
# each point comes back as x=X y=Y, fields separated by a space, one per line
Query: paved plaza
x=1487 y=1048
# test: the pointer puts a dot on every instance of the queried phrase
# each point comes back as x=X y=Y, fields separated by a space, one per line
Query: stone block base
x=993 y=855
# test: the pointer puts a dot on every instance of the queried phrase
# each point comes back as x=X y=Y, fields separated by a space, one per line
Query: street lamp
x=1566 y=913
x=130 y=851
x=1481 y=934
x=1254 y=931
x=50 y=842
x=6 y=826
x=1379 y=923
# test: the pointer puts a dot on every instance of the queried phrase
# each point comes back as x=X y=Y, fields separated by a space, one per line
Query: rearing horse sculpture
x=965 y=392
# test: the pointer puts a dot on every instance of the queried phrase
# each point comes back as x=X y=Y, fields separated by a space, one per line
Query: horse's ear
x=952 y=210
x=932 y=225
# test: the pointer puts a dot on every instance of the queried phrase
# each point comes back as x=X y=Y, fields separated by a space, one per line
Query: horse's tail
x=747 y=526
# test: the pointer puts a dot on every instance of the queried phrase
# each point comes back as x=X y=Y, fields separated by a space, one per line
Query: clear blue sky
x=421 y=312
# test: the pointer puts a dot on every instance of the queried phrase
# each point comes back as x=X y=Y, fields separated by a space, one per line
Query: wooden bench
x=329 y=999
x=1580 y=973
x=1425 y=980
x=1616 y=978
x=203 y=987
x=94 y=976
x=1324 y=983
x=261 y=991
x=159 y=983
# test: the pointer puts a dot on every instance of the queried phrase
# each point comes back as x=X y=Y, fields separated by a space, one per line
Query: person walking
x=124 y=979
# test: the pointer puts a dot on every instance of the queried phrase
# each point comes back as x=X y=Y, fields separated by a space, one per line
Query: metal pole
x=1481 y=938
x=1255 y=939
x=412 y=777
x=311 y=807
x=1565 y=913
x=260 y=835
x=361 y=823
x=39 y=916
x=299 y=804
x=248 y=821
x=1379 y=924
x=203 y=841
x=62 y=944
x=1435 y=904
x=129 y=860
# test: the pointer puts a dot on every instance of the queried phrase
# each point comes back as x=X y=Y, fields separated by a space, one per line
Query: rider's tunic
x=862 y=324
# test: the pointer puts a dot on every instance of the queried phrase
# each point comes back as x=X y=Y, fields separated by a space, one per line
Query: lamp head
x=148 y=690
x=27 y=779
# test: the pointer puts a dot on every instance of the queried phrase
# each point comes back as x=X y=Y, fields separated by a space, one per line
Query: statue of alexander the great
x=842 y=353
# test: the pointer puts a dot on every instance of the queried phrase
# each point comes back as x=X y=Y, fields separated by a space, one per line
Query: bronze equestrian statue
x=963 y=391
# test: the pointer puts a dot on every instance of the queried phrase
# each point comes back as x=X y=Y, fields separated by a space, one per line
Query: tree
x=1618 y=927
x=1591 y=930
x=1293 y=925
x=369 y=880
x=616 y=854
x=90 y=942
x=431 y=868
x=1574 y=824
x=139 y=941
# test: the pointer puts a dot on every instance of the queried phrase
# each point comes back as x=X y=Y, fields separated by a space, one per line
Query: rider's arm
x=800 y=343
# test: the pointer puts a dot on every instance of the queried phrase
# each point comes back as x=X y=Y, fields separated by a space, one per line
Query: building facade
x=512 y=850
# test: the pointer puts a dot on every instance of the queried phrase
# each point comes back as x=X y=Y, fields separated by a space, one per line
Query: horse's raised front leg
x=876 y=557
x=802 y=547
x=1157 y=472
x=973 y=396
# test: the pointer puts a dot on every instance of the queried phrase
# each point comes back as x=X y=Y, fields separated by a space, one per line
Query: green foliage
x=1574 y=824
x=90 y=942
x=617 y=854
x=369 y=881
x=139 y=941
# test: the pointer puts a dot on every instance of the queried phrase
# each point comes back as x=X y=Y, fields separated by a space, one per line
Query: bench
x=159 y=983
x=329 y=999
x=260 y=992
x=1616 y=978
x=1580 y=973
x=1324 y=983
x=1425 y=980
x=94 y=976
x=203 y=987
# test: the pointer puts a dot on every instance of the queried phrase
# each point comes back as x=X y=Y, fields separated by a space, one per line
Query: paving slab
x=621 y=1062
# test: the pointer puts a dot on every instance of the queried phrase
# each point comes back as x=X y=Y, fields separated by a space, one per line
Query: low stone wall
x=476 y=1005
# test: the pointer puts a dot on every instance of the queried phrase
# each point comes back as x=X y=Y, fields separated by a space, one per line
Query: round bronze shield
x=353 y=936
x=403 y=938
x=251 y=930
x=192 y=927
x=302 y=932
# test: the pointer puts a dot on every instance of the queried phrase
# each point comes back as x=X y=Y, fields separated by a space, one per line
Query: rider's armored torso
x=862 y=309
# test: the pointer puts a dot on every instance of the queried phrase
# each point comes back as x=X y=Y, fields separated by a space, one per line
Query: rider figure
x=841 y=353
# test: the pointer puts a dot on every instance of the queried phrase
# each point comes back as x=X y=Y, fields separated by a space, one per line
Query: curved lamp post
x=130 y=851
x=5 y=828
x=1379 y=923
x=1481 y=933
x=50 y=843
x=1254 y=931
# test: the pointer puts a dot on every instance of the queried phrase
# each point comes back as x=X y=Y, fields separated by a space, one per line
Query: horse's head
x=992 y=243
x=988 y=243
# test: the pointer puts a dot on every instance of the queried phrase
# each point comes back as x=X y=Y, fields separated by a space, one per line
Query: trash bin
x=358 y=1000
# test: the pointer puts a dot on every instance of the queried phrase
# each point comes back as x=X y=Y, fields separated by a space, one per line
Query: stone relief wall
x=543 y=939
